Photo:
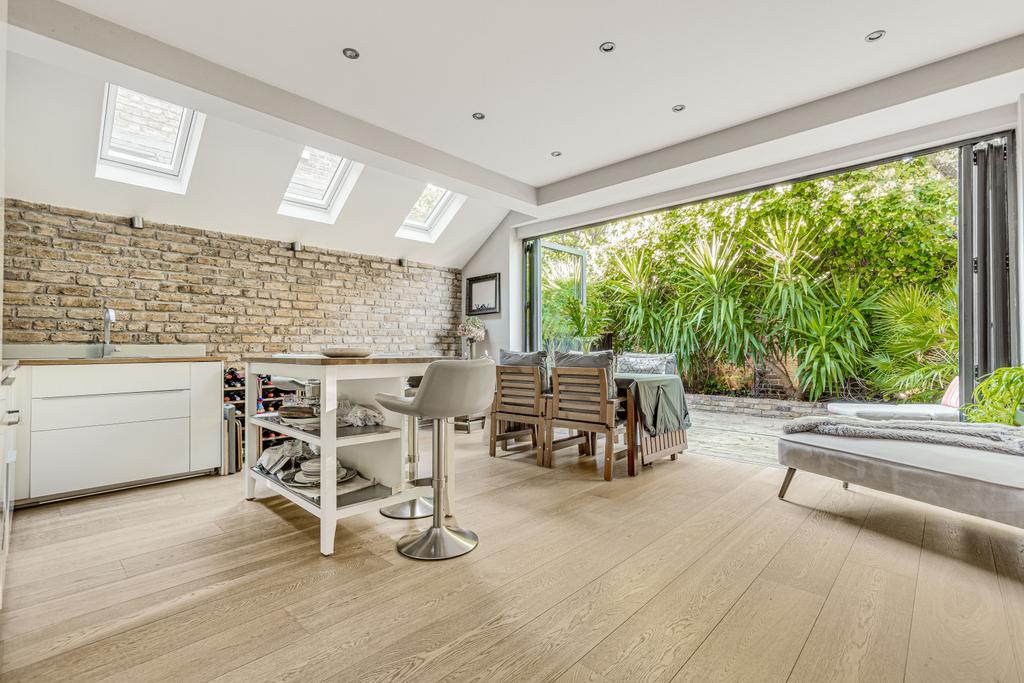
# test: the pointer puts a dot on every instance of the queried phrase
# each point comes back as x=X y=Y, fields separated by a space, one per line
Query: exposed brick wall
x=171 y=284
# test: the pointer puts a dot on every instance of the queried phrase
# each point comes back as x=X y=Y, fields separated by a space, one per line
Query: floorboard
x=693 y=570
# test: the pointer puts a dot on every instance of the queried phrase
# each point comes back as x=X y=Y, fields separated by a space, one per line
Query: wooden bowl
x=346 y=351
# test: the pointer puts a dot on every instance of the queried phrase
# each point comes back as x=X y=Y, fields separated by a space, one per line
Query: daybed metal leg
x=785 y=482
x=846 y=485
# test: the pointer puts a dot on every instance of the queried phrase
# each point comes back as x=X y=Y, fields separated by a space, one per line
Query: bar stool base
x=438 y=543
x=417 y=508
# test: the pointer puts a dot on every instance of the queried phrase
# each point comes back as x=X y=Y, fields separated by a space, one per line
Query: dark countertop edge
x=369 y=360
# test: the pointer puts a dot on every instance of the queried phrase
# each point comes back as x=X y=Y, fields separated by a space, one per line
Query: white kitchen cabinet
x=206 y=408
x=84 y=458
x=68 y=412
x=95 y=425
x=9 y=419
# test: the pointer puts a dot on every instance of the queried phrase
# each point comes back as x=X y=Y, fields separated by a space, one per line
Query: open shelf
x=346 y=436
x=310 y=503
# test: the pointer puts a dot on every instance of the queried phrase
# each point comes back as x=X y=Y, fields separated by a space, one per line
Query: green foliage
x=589 y=322
x=998 y=398
x=915 y=333
x=559 y=288
x=845 y=275
x=891 y=224
x=832 y=335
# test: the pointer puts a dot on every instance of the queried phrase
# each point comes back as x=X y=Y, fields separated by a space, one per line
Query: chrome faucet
x=108 y=317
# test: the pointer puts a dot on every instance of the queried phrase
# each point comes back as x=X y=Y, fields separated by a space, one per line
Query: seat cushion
x=896 y=411
x=981 y=483
x=594 y=359
x=534 y=359
x=398 y=404
x=951 y=397
x=646 y=363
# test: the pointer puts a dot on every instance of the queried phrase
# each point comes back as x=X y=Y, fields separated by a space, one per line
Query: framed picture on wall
x=483 y=294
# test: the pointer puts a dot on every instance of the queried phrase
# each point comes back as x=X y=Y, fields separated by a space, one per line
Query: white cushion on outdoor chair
x=896 y=411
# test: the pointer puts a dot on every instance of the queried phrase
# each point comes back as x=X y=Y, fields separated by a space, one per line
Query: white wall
x=502 y=253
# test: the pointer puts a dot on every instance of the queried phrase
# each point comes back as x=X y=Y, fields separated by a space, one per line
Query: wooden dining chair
x=645 y=448
x=518 y=408
x=579 y=401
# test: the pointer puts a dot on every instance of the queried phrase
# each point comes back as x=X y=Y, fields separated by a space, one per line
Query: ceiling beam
x=939 y=134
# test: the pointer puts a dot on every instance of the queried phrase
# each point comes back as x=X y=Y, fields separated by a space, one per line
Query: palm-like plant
x=588 y=322
x=636 y=294
x=786 y=272
x=832 y=335
x=916 y=336
x=716 y=292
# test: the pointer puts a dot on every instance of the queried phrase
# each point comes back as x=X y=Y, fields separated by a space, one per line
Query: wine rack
x=269 y=399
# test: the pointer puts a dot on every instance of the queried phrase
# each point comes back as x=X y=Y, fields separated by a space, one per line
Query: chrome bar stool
x=449 y=388
x=417 y=508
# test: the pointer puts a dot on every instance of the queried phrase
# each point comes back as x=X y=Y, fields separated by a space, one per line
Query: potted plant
x=999 y=398
x=473 y=331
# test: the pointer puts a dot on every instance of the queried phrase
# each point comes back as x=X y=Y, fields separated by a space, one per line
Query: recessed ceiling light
x=556 y=153
x=607 y=46
x=478 y=116
x=679 y=107
x=875 y=36
x=350 y=52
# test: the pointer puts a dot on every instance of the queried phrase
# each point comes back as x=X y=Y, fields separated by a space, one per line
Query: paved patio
x=722 y=435
x=734 y=436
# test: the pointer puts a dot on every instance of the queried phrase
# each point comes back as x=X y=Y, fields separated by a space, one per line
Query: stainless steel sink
x=97 y=351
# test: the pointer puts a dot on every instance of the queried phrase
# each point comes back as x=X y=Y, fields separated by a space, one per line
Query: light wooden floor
x=691 y=571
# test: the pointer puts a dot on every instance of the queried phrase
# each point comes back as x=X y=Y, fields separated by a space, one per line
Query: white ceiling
x=533 y=66
x=239 y=177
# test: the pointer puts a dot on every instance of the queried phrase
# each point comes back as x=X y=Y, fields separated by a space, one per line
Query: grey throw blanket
x=986 y=437
x=661 y=400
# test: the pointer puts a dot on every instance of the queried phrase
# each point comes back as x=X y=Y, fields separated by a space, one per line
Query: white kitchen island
x=380 y=453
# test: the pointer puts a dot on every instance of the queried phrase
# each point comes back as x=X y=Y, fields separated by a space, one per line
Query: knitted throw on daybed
x=985 y=437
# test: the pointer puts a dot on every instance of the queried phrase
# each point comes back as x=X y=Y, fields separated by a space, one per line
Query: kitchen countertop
x=118 y=360
x=369 y=360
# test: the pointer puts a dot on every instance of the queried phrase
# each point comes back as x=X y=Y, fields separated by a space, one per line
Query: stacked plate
x=308 y=474
x=298 y=416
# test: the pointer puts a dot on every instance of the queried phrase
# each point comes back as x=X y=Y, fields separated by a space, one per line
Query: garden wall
x=761 y=407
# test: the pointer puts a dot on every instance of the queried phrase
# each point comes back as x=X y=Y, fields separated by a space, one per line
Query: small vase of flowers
x=473 y=331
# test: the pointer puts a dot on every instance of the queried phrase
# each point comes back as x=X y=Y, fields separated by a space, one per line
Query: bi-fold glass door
x=987 y=264
x=555 y=275
x=988 y=268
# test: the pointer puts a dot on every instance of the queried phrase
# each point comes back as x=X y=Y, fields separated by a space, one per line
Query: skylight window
x=147 y=141
x=431 y=214
x=320 y=186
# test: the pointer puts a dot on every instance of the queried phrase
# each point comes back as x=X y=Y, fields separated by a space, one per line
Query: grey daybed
x=976 y=482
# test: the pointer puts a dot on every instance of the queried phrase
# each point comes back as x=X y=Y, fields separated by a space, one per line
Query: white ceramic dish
x=300 y=421
x=297 y=478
